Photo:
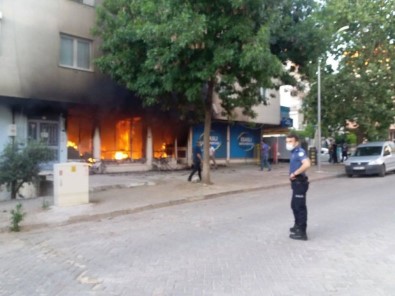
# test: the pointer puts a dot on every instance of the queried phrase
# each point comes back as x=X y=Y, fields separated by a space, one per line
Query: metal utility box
x=71 y=184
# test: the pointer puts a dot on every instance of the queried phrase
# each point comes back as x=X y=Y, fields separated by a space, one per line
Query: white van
x=374 y=158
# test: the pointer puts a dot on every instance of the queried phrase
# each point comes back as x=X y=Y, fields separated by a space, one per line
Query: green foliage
x=177 y=53
x=17 y=216
x=168 y=51
x=351 y=138
x=308 y=132
x=22 y=166
x=296 y=35
x=362 y=89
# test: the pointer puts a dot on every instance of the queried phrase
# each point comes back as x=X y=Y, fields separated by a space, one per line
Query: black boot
x=299 y=234
x=293 y=228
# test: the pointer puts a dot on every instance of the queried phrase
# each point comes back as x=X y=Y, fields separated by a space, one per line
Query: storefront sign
x=217 y=138
x=246 y=141
x=243 y=141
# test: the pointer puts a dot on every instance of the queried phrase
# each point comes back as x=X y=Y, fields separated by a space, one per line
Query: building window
x=75 y=52
x=86 y=2
x=46 y=132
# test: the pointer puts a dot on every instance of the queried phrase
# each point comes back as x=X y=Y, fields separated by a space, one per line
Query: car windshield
x=368 y=151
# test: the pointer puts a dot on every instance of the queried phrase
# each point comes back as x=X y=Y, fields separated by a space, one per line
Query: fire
x=91 y=160
x=73 y=150
x=119 y=155
x=119 y=137
x=72 y=144
x=164 y=154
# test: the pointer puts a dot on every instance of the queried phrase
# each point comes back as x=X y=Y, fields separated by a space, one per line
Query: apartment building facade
x=50 y=90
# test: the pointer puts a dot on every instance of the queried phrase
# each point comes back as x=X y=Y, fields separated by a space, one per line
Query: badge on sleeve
x=301 y=153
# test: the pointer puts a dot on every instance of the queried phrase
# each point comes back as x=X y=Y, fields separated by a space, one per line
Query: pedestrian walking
x=212 y=156
x=265 y=148
x=197 y=162
x=299 y=164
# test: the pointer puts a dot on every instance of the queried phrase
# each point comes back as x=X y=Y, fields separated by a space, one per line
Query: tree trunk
x=206 y=136
x=360 y=136
x=14 y=189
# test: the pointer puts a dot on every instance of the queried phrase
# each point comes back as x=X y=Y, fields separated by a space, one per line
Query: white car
x=324 y=155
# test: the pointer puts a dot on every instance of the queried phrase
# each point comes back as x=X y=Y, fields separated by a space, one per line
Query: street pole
x=319 y=105
x=319 y=116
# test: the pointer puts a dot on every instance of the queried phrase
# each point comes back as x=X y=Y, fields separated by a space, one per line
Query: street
x=232 y=245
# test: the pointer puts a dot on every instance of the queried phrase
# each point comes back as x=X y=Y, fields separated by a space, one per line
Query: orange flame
x=72 y=144
x=119 y=155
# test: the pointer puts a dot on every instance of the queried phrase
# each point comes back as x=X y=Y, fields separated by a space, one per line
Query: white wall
x=21 y=128
x=29 y=52
x=266 y=114
x=294 y=103
x=5 y=121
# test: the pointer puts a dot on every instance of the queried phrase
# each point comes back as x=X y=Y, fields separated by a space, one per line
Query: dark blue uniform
x=299 y=188
x=196 y=167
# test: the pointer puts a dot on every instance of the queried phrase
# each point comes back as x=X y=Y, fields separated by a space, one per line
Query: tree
x=176 y=53
x=362 y=90
x=296 y=35
x=22 y=166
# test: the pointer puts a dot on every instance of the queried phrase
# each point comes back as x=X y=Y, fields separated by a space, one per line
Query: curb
x=165 y=204
x=120 y=186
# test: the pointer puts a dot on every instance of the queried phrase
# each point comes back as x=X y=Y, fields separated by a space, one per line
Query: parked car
x=374 y=158
x=324 y=154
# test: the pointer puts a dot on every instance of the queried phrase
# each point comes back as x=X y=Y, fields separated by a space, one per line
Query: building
x=50 y=90
x=235 y=138
x=293 y=100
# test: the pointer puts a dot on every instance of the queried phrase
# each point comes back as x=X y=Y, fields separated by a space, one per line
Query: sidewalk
x=120 y=194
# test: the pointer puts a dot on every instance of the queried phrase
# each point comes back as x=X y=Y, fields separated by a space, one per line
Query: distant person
x=344 y=152
x=265 y=148
x=330 y=152
x=197 y=162
x=212 y=156
x=334 y=152
x=299 y=164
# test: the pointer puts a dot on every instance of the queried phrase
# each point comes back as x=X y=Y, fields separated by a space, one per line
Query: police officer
x=299 y=163
x=197 y=162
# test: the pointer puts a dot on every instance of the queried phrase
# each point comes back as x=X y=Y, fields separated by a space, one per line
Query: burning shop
x=124 y=140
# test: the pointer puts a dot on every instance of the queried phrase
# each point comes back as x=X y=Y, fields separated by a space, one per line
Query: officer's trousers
x=196 y=167
x=298 y=202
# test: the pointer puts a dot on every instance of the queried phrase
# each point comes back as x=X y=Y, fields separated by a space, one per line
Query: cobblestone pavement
x=233 y=245
x=120 y=194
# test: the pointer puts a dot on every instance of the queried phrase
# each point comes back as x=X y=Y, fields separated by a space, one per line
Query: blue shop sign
x=287 y=122
x=243 y=141
x=217 y=138
x=246 y=141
